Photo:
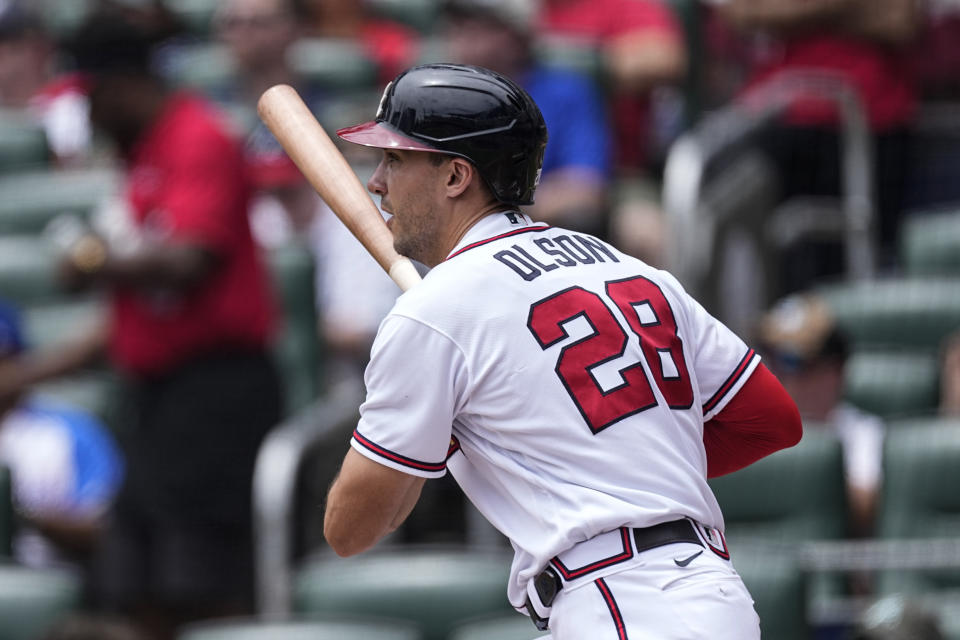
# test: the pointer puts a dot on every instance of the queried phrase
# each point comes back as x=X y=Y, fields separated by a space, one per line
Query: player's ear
x=460 y=175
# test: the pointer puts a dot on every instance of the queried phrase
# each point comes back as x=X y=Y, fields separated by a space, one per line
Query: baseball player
x=579 y=397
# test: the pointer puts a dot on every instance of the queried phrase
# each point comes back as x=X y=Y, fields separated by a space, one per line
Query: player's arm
x=171 y=265
x=760 y=419
x=367 y=501
x=203 y=205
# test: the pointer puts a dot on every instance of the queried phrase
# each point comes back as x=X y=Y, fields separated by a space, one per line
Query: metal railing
x=692 y=229
x=275 y=477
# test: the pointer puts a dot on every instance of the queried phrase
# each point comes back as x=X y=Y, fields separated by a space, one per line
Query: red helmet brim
x=376 y=134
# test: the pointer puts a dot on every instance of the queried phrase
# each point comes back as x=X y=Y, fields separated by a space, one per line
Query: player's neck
x=462 y=218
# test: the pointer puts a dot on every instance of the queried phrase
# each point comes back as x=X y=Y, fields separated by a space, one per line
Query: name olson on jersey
x=553 y=253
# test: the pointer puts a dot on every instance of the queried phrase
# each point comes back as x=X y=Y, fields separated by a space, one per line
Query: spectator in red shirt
x=190 y=326
x=641 y=45
x=392 y=46
x=30 y=82
x=862 y=42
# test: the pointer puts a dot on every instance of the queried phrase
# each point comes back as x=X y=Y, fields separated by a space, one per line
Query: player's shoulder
x=449 y=284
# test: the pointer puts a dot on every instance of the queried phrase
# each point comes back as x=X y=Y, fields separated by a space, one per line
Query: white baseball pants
x=679 y=591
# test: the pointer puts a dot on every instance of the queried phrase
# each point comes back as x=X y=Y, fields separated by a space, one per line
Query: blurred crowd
x=159 y=524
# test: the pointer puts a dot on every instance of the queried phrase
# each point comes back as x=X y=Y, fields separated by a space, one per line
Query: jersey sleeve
x=722 y=362
x=415 y=386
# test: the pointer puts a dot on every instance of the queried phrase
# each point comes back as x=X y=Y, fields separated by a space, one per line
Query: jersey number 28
x=648 y=315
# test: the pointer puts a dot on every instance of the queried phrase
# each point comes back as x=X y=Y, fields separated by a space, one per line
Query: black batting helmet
x=465 y=111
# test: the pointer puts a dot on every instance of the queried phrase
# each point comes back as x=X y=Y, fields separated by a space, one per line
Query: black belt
x=548 y=584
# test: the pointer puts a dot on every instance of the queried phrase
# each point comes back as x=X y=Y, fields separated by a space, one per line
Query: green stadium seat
x=514 y=627
x=570 y=52
x=920 y=498
x=332 y=629
x=905 y=312
x=27 y=269
x=197 y=15
x=777 y=503
x=205 y=66
x=30 y=200
x=435 y=588
x=23 y=143
x=297 y=349
x=51 y=323
x=63 y=16
x=925 y=422
x=893 y=383
x=778 y=587
x=31 y=600
x=335 y=64
x=930 y=243
x=793 y=495
x=421 y=15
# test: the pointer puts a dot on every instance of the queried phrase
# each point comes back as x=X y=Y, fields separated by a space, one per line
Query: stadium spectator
x=863 y=43
x=936 y=56
x=191 y=317
x=391 y=45
x=30 y=81
x=286 y=208
x=804 y=347
x=496 y=34
x=64 y=464
x=642 y=47
x=258 y=35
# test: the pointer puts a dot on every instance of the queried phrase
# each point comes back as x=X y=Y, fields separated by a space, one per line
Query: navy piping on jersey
x=612 y=606
x=454 y=446
x=502 y=235
x=626 y=554
x=729 y=382
x=396 y=457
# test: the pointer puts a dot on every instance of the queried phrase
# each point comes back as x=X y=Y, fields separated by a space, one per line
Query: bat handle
x=404 y=273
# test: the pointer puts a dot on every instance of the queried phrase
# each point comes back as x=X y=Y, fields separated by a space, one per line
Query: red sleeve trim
x=454 y=446
x=728 y=384
x=396 y=457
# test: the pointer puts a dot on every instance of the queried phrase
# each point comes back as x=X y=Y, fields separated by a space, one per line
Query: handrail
x=690 y=237
x=274 y=489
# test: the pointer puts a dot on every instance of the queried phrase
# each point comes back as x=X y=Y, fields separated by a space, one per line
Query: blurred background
x=795 y=163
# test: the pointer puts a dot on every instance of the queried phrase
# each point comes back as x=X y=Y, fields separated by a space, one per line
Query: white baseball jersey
x=563 y=383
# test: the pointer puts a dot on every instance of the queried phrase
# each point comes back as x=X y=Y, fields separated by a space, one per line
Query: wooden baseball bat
x=308 y=145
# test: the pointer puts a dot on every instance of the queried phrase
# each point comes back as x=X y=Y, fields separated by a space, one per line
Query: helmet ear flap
x=465 y=111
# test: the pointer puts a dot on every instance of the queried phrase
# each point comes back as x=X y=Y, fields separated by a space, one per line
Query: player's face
x=409 y=183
